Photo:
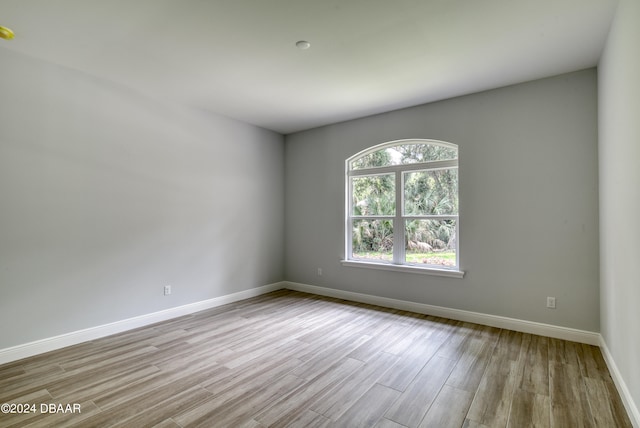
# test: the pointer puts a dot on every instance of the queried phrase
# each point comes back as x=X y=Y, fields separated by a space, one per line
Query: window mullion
x=398 y=227
x=422 y=166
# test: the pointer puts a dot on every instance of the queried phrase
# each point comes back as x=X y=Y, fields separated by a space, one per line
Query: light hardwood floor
x=295 y=359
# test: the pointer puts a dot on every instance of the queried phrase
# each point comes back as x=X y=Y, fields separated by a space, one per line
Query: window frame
x=398 y=219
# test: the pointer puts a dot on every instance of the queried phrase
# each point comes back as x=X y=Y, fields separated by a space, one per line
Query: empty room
x=306 y=213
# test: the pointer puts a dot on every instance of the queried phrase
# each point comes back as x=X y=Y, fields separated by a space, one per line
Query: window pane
x=405 y=154
x=418 y=153
x=431 y=242
x=431 y=192
x=372 y=239
x=384 y=157
x=373 y=195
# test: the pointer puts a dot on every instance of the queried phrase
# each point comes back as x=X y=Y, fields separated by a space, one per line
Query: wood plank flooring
x=300 y=360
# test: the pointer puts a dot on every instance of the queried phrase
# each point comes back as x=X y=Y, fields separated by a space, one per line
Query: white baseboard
x=621 y=385
x=73 y=338
x=52 y=343
x=523 y=326
x=49 y=344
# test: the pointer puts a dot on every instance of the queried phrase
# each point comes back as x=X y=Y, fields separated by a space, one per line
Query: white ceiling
x=238 y=57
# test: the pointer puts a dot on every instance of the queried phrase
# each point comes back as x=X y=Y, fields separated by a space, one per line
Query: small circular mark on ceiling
x=303 y=45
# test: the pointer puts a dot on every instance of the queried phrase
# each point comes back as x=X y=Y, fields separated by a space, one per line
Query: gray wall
x=619 y=154
x=528 y=201
x=108 y=195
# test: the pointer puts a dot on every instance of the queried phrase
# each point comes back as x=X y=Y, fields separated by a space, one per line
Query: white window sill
x=404 y=268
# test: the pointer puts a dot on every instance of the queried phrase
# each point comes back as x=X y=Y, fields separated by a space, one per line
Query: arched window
x=402 y=205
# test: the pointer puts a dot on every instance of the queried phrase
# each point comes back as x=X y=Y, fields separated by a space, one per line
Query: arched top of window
x=403 y=152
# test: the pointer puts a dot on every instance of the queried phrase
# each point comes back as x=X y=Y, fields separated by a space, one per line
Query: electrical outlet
x=551 y=302
x=319 y=271
x=167 y=290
